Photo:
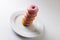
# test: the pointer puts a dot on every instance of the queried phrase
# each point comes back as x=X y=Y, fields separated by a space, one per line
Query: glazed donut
x=30 y=15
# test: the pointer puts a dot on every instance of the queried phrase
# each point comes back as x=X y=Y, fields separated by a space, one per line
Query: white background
x=49 y=13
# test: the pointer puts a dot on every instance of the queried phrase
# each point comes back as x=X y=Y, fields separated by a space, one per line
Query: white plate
x=35 y=30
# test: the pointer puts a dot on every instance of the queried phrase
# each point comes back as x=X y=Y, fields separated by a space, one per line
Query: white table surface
x=49 y=13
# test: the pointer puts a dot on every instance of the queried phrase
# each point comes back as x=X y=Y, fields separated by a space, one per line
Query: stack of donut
x=30 y=15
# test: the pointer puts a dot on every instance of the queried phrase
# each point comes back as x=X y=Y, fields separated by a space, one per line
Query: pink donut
x=30 y=15
x=32 y=9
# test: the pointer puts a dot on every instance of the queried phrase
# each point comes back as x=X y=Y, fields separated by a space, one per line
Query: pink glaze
x=30 y=15
x=32 y=9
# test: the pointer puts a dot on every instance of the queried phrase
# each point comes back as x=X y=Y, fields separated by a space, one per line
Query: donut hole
x=33 y=7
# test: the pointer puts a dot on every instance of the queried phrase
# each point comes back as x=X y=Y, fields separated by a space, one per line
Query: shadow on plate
x=25 y=38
